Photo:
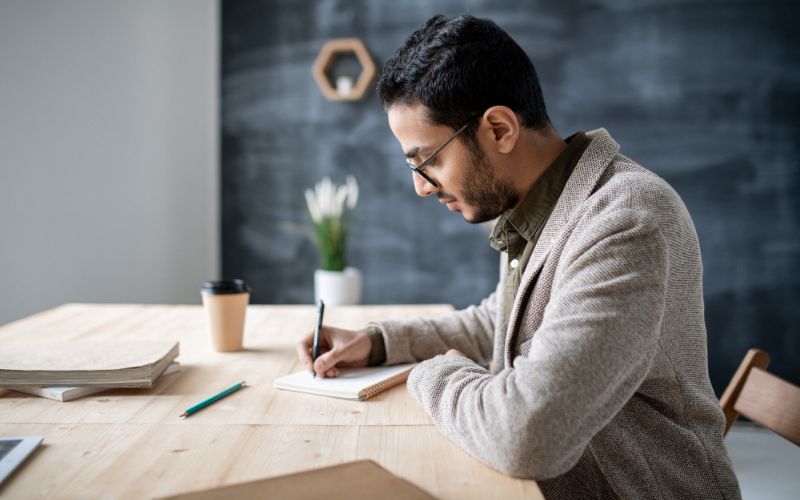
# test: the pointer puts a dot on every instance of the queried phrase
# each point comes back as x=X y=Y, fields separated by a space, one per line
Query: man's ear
x=503 y=127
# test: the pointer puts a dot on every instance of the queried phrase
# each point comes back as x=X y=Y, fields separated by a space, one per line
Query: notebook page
x=347 y=385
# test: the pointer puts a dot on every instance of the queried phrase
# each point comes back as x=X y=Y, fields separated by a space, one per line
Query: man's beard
x=483 y=190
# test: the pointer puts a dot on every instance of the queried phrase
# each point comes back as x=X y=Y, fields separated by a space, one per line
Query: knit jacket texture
x=597 y=385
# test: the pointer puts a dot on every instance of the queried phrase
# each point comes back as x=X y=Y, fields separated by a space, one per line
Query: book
x=360 y=480
x=107 y=364
x=14 y=450
x=352 y=383
x=69 y=393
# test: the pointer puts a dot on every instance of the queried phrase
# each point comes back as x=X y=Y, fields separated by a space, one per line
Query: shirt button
x=514 y=263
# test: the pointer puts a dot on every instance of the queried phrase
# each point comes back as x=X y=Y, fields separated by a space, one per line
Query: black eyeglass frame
x=419 y=168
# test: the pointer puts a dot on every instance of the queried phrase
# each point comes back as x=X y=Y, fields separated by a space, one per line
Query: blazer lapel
x=594 y=161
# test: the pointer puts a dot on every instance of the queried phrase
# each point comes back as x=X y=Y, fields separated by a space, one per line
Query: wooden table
x=131 y=443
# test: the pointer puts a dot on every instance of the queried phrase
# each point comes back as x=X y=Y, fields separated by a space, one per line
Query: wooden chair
x=762 y=397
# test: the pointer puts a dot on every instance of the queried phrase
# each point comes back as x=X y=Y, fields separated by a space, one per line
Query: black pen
x=315 y=349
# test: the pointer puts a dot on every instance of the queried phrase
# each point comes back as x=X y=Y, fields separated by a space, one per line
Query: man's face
x=466 y=180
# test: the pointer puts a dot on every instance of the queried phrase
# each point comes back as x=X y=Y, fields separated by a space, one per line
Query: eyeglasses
x=419 y=168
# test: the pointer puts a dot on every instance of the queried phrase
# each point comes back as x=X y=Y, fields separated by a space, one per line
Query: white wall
x=108 y=152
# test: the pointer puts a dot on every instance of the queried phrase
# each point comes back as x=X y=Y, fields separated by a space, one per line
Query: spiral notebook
x=352 y=383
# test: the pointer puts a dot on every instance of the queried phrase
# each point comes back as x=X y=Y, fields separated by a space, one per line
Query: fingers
x=325 y=365
x=337 y=348
x=453 y=353
x=303 y=348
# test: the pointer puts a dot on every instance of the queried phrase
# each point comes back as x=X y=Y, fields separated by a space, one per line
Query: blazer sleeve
x=587 y=358
x=470 y=330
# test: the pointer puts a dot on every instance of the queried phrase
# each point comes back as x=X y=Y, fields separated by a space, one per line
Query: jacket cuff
x=377 y=353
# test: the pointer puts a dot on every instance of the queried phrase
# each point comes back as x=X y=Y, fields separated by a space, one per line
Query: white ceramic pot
x=338 y=287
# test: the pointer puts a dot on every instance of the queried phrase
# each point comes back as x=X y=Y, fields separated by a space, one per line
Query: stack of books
x=68 y=370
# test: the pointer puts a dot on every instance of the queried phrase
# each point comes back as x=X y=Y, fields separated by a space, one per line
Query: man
x=598 y=384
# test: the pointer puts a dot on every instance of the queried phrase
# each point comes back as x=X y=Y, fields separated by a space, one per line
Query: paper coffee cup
x=225 y=303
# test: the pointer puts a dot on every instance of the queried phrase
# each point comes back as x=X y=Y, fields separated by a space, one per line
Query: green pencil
x=213 y=399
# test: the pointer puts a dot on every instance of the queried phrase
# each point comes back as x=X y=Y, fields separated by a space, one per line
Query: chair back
x=762 y=397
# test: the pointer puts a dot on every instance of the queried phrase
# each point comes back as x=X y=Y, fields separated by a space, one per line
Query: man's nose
x=422 y=186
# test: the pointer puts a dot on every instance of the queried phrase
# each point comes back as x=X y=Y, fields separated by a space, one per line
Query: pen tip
x=184 y=414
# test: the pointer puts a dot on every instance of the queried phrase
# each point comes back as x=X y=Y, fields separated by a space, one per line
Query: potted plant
x=329 y=207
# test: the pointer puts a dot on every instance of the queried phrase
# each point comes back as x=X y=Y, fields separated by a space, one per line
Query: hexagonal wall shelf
x=344 y=90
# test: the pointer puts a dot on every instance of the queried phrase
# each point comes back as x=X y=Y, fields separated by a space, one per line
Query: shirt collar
x=530 y=214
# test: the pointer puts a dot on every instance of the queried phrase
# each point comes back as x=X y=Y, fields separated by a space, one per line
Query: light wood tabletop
x=131 y=443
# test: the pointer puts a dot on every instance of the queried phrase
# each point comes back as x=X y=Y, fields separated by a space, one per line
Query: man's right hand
x=337 y=348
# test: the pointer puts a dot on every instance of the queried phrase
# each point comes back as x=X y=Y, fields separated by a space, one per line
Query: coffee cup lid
x=225 y=287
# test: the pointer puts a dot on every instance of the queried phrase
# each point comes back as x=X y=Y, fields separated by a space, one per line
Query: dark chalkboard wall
x=706 y=94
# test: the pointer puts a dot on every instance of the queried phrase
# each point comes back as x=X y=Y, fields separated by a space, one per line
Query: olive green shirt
x=517 y=230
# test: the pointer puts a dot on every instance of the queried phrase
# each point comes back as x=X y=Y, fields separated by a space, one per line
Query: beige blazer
x=598 y=385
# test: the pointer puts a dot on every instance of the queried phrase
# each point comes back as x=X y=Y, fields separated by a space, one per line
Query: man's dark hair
x=460 y=67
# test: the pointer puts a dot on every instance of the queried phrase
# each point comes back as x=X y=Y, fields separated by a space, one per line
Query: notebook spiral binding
x=376 y=389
